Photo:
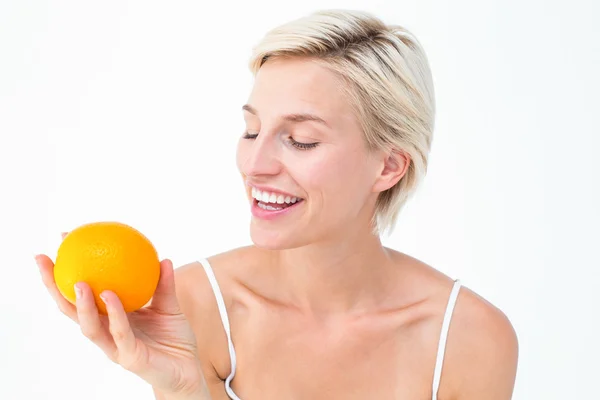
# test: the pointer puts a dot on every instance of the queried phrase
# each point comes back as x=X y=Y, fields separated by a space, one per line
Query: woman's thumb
x=165 y=297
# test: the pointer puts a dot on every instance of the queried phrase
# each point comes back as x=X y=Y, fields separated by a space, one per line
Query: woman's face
x=308 y=173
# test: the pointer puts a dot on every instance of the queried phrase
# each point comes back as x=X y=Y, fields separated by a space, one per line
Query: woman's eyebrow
x=296 y=117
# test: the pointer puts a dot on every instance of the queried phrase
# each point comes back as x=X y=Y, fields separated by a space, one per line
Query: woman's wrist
x=201 y=394
x=197 y=389
x=197 y=396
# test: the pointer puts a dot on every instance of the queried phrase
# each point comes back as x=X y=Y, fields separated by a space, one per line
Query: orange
x=108 y=256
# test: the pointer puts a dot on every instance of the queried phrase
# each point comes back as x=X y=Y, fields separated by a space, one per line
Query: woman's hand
x=156 y=342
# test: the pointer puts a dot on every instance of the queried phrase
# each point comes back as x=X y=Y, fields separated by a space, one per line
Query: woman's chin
x=274 y=240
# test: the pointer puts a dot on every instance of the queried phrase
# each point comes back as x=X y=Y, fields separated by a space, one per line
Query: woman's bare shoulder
x=484 y=355
x=192 y=278
x=198 y=302
x=193 y=284
x=482 y=348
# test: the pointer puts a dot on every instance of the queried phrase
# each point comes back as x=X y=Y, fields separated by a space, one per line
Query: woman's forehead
x=298 y=86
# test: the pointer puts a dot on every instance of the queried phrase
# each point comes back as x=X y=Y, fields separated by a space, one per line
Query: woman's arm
x=214 y=391
x=202 y=395
x=199 y=396
x=482 y=353
x=491 y=373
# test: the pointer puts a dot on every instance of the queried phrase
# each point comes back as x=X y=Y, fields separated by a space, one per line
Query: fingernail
x=77 y=292
x=103 y=297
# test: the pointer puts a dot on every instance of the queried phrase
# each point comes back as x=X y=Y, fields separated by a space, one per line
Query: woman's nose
x=259 y=157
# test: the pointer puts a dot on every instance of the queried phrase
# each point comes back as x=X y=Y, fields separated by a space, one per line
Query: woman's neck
x=349 y=275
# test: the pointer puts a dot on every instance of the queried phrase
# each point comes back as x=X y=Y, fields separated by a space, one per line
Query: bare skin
x=384 y=348
x=319 y=308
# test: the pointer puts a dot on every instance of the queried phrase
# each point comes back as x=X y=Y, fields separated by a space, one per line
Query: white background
x=130 y=111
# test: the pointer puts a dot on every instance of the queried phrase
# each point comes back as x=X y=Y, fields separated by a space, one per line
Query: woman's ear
x=394 y=167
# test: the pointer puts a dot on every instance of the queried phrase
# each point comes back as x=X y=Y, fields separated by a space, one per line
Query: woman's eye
x=295 y=143
x=301 y=145
x=248 y=135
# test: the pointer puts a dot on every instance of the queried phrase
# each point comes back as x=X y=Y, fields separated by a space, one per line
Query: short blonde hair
x=390 y=86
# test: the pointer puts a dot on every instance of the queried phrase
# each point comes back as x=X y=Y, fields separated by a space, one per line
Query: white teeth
x=273 y=198
x=268 y=207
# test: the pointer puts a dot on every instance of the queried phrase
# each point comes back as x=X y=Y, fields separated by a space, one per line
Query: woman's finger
x=46 y=267
x=90 y=321
x=128 y=350
x=164 y=299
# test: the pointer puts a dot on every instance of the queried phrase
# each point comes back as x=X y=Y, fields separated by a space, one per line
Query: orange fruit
x=108 y=256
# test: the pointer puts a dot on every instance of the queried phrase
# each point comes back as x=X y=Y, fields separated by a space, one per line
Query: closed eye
x=301 y=145
x=295 y=143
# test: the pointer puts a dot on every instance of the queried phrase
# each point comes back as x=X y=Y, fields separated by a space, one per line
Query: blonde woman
x=339 y=125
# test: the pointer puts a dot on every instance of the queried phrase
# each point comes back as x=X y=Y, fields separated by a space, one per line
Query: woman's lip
x=261 y=213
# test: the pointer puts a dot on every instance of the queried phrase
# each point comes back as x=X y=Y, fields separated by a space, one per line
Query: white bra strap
x=225 y=319
x=437 y=374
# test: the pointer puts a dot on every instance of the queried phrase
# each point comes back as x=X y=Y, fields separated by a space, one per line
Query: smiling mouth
x=274 y=201
x=276 y=206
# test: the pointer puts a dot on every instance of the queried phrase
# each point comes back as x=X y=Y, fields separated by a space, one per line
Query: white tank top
x=437 y=373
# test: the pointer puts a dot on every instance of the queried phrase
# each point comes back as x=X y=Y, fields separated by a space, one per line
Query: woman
x=339 y=124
